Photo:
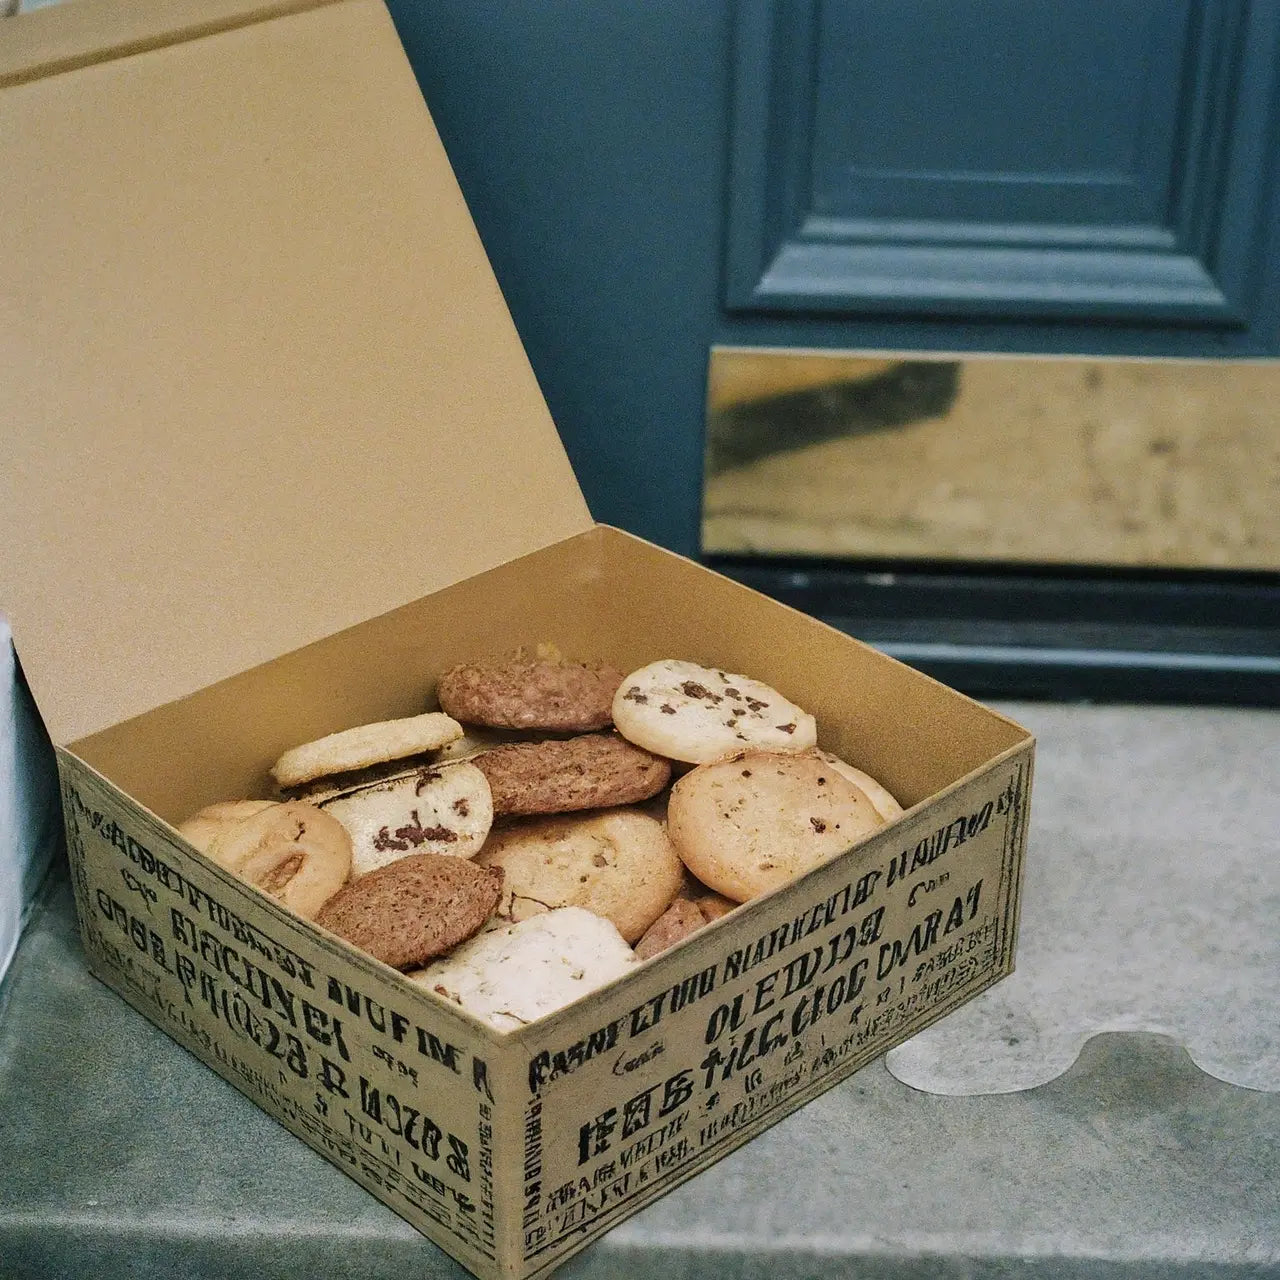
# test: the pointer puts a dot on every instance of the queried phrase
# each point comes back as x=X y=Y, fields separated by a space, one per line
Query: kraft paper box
x=280 y=461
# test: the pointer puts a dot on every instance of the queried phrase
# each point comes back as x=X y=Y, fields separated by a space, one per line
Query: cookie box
x=278 y=462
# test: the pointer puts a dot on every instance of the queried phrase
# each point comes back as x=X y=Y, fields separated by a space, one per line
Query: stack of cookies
x=524 y=845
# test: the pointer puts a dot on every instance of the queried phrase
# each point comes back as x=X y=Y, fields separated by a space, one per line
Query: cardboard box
x=269 y=402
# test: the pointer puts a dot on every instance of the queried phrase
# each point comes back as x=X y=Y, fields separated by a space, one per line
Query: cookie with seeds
x=413 y=909
x=530 y=693
x=292 y=852
x=698 y=714
x=617 y=863
x=752 y=822
x=512 y=974
x=885 y=805
x=445 y=809
x=364 y=746
x=591 y=771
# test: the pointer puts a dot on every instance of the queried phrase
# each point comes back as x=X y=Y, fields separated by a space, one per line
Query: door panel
x=999 y=158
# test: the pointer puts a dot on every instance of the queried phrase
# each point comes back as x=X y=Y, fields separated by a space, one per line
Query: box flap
x=259 y=382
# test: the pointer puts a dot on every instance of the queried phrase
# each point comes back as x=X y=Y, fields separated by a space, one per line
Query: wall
x=29 y=824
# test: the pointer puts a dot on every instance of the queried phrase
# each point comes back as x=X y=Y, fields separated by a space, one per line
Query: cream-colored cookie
x=202 y=828
x=293 y=852
x=754 y=821
x=365 y=745
x=615 y=862
x=698 y=714
x=885 y=805
x=431 y=809
x=512 y=974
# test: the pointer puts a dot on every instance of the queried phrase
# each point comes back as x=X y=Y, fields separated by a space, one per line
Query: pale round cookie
x=698 y=714
x=293 y=852
x=513 y=974
x=756 y=820
x=885 y=805
x=202 y=828
x=365 y=745
x=616 y=862
x=444 y=809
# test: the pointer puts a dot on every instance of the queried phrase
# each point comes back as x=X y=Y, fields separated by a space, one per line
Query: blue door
x=651 y=180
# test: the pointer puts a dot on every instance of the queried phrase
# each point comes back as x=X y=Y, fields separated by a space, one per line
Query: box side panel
x=388 y=1085
x=646 y=1085
x=517 y=1154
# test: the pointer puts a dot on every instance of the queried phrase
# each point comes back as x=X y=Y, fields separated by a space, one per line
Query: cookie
x=699 y=714
x=617 y=863
x=676 y=923
x=413 y=909
x=536 y=693
x=885 y=805
x=365 y=745
x=513 y=974
x=476 y=740
x=202 y=828
x=443 y=809
x=692 y=910
x=750 y=823
x=592 y=771
x=712 y=905
x=318 y=790
x=293 y=852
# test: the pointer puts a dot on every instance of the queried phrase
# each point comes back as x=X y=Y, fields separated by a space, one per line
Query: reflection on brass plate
x=1032 y=459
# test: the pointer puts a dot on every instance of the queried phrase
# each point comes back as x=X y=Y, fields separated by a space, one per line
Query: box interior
x=602 y=595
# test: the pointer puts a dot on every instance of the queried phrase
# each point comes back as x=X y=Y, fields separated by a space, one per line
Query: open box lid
x=257 y=380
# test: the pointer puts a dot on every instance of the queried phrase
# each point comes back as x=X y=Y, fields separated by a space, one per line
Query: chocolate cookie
x=415 y=908
x=881 y=800
x=675 y=924
x=535 y=693
x=559 y=775
x=686 y=915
